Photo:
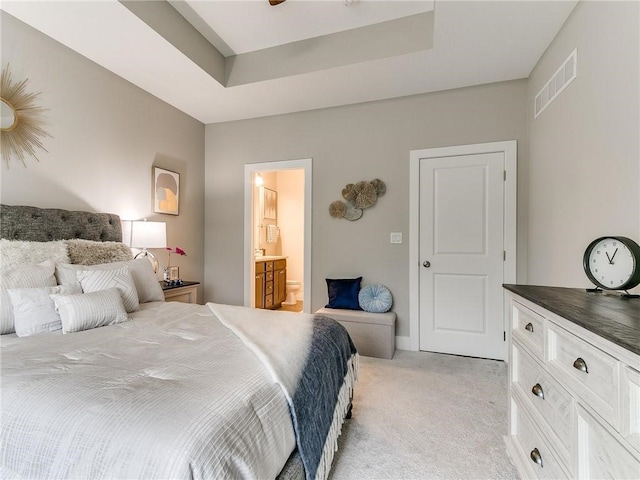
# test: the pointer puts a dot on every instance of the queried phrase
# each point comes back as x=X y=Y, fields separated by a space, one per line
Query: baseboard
x=403 y=343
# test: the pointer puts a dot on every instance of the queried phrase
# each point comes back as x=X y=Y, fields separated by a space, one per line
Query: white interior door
x=461 y=248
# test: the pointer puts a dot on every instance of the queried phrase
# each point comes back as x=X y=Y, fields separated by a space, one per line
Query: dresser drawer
x=589 y=371
x=279 y=264
x=528 y=327
x=268 y=301
x=600 y=454
x=547 y=397
x=533 y=446
x=630 y=407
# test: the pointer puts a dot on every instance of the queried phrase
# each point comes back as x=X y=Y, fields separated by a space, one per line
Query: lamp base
x=151 y=257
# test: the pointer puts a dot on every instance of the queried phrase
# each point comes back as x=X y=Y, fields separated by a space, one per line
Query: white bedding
x=171 y=394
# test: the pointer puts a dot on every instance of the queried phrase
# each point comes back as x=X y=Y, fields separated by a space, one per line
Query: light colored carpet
x=426 y=416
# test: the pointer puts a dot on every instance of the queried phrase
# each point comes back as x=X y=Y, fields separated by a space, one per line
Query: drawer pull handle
x=529 y=327
x=537 y=391
x=536 y=457
x=581 y=365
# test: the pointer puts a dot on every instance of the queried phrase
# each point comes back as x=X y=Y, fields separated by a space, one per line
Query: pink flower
x=177 y=251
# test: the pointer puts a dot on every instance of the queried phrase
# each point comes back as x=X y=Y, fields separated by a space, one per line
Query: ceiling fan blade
x=275 y=2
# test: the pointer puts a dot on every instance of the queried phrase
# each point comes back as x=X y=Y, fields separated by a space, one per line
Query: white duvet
x=171 y=394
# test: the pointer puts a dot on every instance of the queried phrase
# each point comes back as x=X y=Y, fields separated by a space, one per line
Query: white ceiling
x=246 y=26
x=474 y=42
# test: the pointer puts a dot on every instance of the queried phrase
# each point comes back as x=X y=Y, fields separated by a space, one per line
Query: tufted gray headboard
x=18 y=222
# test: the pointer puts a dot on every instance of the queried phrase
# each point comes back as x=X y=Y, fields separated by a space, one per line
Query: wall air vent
x=557 y=83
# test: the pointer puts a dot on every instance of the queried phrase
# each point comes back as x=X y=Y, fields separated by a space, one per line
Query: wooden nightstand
x=186 y=293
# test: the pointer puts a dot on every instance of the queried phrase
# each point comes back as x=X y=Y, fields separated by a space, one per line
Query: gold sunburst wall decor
x=21 y=131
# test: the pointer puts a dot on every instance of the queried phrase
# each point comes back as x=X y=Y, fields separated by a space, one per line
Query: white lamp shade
x=148 y=235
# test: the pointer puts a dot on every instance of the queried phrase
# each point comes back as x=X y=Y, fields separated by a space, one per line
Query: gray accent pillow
x=88 y=252
x=34 y=311
x=90 y=310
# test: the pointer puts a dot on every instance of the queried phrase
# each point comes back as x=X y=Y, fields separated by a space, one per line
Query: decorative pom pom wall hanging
x=358 y=196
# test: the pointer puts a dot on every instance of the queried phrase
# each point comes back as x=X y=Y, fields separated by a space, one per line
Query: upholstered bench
x=372 y=333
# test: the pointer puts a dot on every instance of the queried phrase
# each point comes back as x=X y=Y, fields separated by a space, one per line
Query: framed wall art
x=270 y=205
x=166 y=191
x=172 y=273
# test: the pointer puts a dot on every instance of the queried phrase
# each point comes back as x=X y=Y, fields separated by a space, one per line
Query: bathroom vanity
x=271 y=281
x=574 y=383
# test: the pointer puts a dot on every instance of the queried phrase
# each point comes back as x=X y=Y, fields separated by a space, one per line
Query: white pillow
x=90 y=310
x=18 y=253
x=34 y=310
x=30 y=276
x=96 y=280
x=146 y=282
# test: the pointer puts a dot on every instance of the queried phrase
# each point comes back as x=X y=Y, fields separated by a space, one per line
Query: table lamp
x=146 y=235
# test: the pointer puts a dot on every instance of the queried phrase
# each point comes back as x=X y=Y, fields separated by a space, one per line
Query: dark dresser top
x=166 y=286
x=606 y=314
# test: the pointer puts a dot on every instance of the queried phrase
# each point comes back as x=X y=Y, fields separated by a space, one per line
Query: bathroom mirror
x=8 y=117
x=21 y=129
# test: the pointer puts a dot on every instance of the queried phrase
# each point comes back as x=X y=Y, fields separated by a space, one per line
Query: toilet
x=293 y=286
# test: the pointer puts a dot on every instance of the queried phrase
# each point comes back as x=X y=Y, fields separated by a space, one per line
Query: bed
x=99 y=382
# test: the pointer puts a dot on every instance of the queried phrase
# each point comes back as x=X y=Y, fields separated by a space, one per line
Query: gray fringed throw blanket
x=314 y=361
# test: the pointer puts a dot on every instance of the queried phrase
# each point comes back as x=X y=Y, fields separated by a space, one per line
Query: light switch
x=396 y=237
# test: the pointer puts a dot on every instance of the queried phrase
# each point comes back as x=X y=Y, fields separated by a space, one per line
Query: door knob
x=426 y=264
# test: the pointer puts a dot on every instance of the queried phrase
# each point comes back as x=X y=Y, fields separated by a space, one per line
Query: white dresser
x=574 y=383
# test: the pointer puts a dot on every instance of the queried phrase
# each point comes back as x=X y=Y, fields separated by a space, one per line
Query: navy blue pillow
x=343 y=293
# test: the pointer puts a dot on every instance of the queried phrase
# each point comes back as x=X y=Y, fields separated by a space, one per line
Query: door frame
x=509 y=149
x=249 y=258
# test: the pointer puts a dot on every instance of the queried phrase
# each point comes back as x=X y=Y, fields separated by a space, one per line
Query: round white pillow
x=375 y=298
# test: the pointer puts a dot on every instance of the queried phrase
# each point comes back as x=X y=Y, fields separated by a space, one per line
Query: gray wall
x=578 y=163
x=107 y=135
x=349 y=144
x=584 y=153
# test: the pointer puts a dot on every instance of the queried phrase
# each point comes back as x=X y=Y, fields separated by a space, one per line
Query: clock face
x=611 y=263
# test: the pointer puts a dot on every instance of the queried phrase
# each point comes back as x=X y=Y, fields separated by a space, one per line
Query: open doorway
x=269 y=234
